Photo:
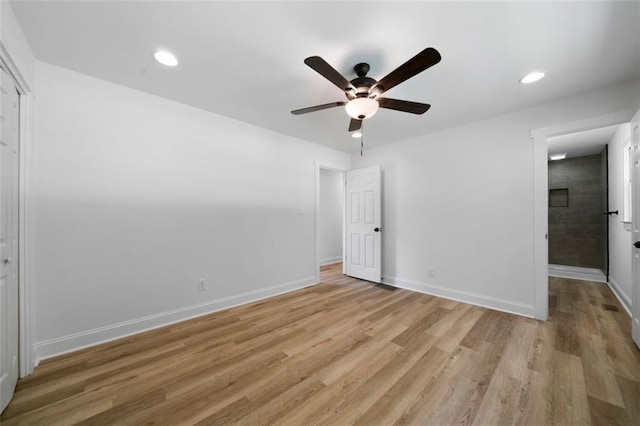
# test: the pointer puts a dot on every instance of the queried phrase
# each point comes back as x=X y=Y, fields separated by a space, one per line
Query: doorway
x=329 y=218
x=356 y=196
x=541 y=195
x=579 y=204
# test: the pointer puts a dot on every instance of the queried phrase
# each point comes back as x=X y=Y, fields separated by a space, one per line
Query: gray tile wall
x=575 y=231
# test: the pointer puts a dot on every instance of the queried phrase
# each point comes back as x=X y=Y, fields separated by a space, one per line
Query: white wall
x=460 y=201
x=139 y=197
x=330 y=216
x=619 y=237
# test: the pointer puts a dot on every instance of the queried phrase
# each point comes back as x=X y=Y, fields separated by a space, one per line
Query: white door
x=635 y=236
x=9 y=121
x=364 y=225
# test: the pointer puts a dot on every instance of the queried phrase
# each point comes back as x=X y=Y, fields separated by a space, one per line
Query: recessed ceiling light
x=166 y=58
x=532 y=77
x=356 y=134
x=557 y=157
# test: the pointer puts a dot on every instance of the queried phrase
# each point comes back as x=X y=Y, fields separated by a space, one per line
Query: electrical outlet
x=431 y=272
x=202 y=284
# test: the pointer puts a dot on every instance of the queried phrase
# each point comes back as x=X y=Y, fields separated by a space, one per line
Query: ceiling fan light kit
x=363 y=93
x=362 y=108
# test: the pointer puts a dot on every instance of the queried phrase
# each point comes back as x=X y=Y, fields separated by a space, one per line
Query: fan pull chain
x=361 y=145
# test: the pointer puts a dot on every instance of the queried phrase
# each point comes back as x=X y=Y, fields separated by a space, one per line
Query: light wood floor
x=346 y=351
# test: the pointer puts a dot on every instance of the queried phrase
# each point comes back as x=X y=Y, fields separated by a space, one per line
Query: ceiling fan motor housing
x=362 y=83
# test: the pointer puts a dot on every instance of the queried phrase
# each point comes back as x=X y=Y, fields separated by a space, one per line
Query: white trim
x=26 y=243
x=322 y=164
x=577 y=272
x=540 y=229
x=330 y=260
x=73 y=342
x=540 y=196
x=465 y=297
x=25 y=221
x=624 y=300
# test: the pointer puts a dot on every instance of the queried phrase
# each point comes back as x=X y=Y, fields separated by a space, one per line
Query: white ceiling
x=583 y=143
x=245 y=59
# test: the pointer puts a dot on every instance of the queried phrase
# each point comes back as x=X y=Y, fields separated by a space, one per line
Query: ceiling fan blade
x=355 y=124
x=423 y=60
x=317 y=108
x=327 y=71
x=404 y=106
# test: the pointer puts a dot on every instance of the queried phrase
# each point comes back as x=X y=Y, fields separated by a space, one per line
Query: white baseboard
x=73 y=342
x=625 y=300
x=463 y=296
x=330 y=260
x=578 y=273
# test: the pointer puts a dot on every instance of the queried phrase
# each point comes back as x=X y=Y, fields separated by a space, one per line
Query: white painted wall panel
x=460 y=201
x=138 y=197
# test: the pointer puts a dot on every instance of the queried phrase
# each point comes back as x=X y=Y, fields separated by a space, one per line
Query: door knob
x=377 y=230
x=636 y=244
x=8 y=260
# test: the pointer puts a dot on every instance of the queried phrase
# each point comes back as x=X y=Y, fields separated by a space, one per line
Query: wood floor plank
x=392 y=404
x=269 y=412
x=540 y=357
x=369 y=392
x=570 y=403
x=424 y=404
x=536 y=400
x=459 y=329
x=120 y=412
x=476 y=336
x=605 y=414
x=513 y=360
x=567 y=338
x=347 y=351
x=500 y=403
x=338 y=390
x=630 y=390
x=600 y=377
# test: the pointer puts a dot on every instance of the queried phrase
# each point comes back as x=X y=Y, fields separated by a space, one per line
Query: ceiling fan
x=363 y=93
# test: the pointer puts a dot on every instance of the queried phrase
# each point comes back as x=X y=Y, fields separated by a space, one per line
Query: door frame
x=322 y=164
x=26 y=354
x=540 y=196
x=605 y=209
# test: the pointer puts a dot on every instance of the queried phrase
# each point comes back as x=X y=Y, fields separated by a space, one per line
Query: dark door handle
x=610 y=213
x=636 y=244
x=378 y=230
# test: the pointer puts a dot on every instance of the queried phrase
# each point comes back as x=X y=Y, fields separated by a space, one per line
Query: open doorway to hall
x=589 y=216
x=330 y=219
